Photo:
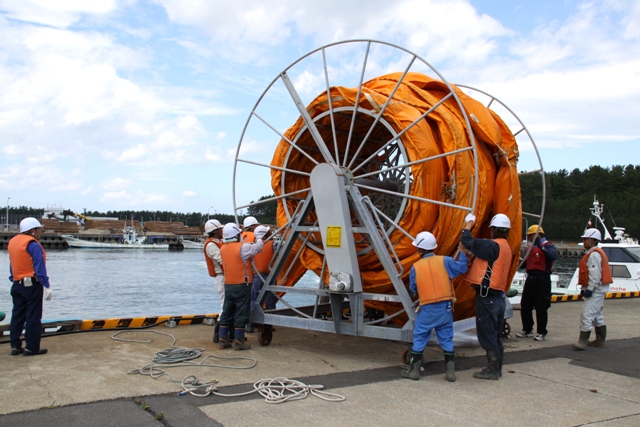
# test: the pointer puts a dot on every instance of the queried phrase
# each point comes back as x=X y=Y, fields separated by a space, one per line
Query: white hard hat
x=425 y=240
x=592 y=233
x=500 y=221
x=28 y=224
x=249 y=221
x=261 y=231
x=212 y=225
x=230 y=230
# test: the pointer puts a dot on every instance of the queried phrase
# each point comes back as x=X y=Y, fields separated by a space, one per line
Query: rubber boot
x=491 y=371
x=583 y=341
x=216 y=333
x=449 y=361
x=500 y=360
x=223 y=338
x=601 y=337
x=413 y=371
x=249 y=328
x=239 y=343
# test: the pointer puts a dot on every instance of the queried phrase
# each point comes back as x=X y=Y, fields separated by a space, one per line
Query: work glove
x=470 y=217
x=588 y=293
x=48 y=293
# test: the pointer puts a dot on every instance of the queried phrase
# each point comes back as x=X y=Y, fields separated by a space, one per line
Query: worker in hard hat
x=212 y=245
x=238 y=279
x=261 y=263
x=248 y=226
x=537 y=287
x=594 y=276
x=430 y=277
x=489 y=274
x=28 y=272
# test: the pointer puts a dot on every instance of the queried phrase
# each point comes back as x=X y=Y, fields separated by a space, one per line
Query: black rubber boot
x=491 y=371
x=216 y=333
x=601 y=337
x=500 y=360
x=239 y=343
x=449 y=361
x=583 y=341
x=223 y=337
x=413 y=371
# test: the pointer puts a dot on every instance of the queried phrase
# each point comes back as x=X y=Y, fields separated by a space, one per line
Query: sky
x=141 y=104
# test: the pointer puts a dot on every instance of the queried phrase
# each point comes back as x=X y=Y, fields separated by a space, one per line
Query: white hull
x=626 y=275
x=74 y=242
x=189 y=244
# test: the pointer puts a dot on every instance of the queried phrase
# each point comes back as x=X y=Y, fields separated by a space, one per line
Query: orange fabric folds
x=447 y=178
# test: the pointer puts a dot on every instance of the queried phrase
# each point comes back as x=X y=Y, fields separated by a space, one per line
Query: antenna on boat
x=596 y=211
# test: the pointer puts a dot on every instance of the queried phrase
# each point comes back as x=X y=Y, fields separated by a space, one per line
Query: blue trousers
x=490 y=321
x=236 y=305
x=438 y=316
x=258 y=282
x=27 y=313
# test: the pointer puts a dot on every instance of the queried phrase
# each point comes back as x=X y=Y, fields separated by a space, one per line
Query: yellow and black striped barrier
x=578 y=297
x=138 y=322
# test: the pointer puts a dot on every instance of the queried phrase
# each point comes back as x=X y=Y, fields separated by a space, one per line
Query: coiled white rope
x=280 y=390
x=276 y=390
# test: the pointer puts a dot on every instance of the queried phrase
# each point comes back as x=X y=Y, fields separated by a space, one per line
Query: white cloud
x=61 y=13
x=189 y=193
x=114 y=184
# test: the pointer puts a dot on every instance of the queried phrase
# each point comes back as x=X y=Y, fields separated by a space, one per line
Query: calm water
x=99 y=284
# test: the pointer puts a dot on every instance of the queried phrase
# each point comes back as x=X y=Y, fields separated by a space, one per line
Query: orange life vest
x=21 y=261
x=262 y=260
x=432 y=280
x=583 y=270
x=248 y=237
x=537 y=260
x=499 y=272
x=236 y=272
x=210 y=266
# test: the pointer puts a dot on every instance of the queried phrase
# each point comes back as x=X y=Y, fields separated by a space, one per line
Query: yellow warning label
x=334 y=234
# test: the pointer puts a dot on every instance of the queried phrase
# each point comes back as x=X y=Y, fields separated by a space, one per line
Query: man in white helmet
x=238 y=279
x=28 y=272
x=248 y=226
x=594 y=276
x=488 y=275
x=261 y=263
x=430 y=277
x=213 y=231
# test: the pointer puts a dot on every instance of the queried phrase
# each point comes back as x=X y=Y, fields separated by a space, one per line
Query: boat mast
x=596 y=211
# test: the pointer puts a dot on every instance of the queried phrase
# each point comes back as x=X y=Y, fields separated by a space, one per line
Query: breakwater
x=564 y=250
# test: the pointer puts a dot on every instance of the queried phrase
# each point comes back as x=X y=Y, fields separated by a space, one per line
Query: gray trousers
x=592 y=309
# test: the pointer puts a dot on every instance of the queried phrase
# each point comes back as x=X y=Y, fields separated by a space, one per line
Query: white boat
x=623 y=253
x=130 y=240
x=190 y=244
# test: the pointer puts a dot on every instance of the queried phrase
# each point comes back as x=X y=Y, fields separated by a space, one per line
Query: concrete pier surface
x=84 y=380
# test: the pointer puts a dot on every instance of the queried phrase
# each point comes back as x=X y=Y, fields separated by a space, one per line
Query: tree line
x=569 y=195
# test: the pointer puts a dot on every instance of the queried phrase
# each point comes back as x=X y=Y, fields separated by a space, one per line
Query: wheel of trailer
x=506 y=330
x=265 y=334
x=406 y=356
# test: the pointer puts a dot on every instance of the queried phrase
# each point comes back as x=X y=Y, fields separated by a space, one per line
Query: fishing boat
x=130 y=240
x=623 y=253
x=190 y=244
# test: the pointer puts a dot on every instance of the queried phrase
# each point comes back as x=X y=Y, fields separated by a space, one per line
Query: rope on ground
x=178 y=357
x=280 y=390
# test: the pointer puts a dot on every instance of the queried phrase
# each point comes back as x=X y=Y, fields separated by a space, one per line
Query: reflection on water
x=104 y=283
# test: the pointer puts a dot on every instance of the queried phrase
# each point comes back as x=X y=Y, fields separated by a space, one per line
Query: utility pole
x=208 y=215
x=6 y=226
